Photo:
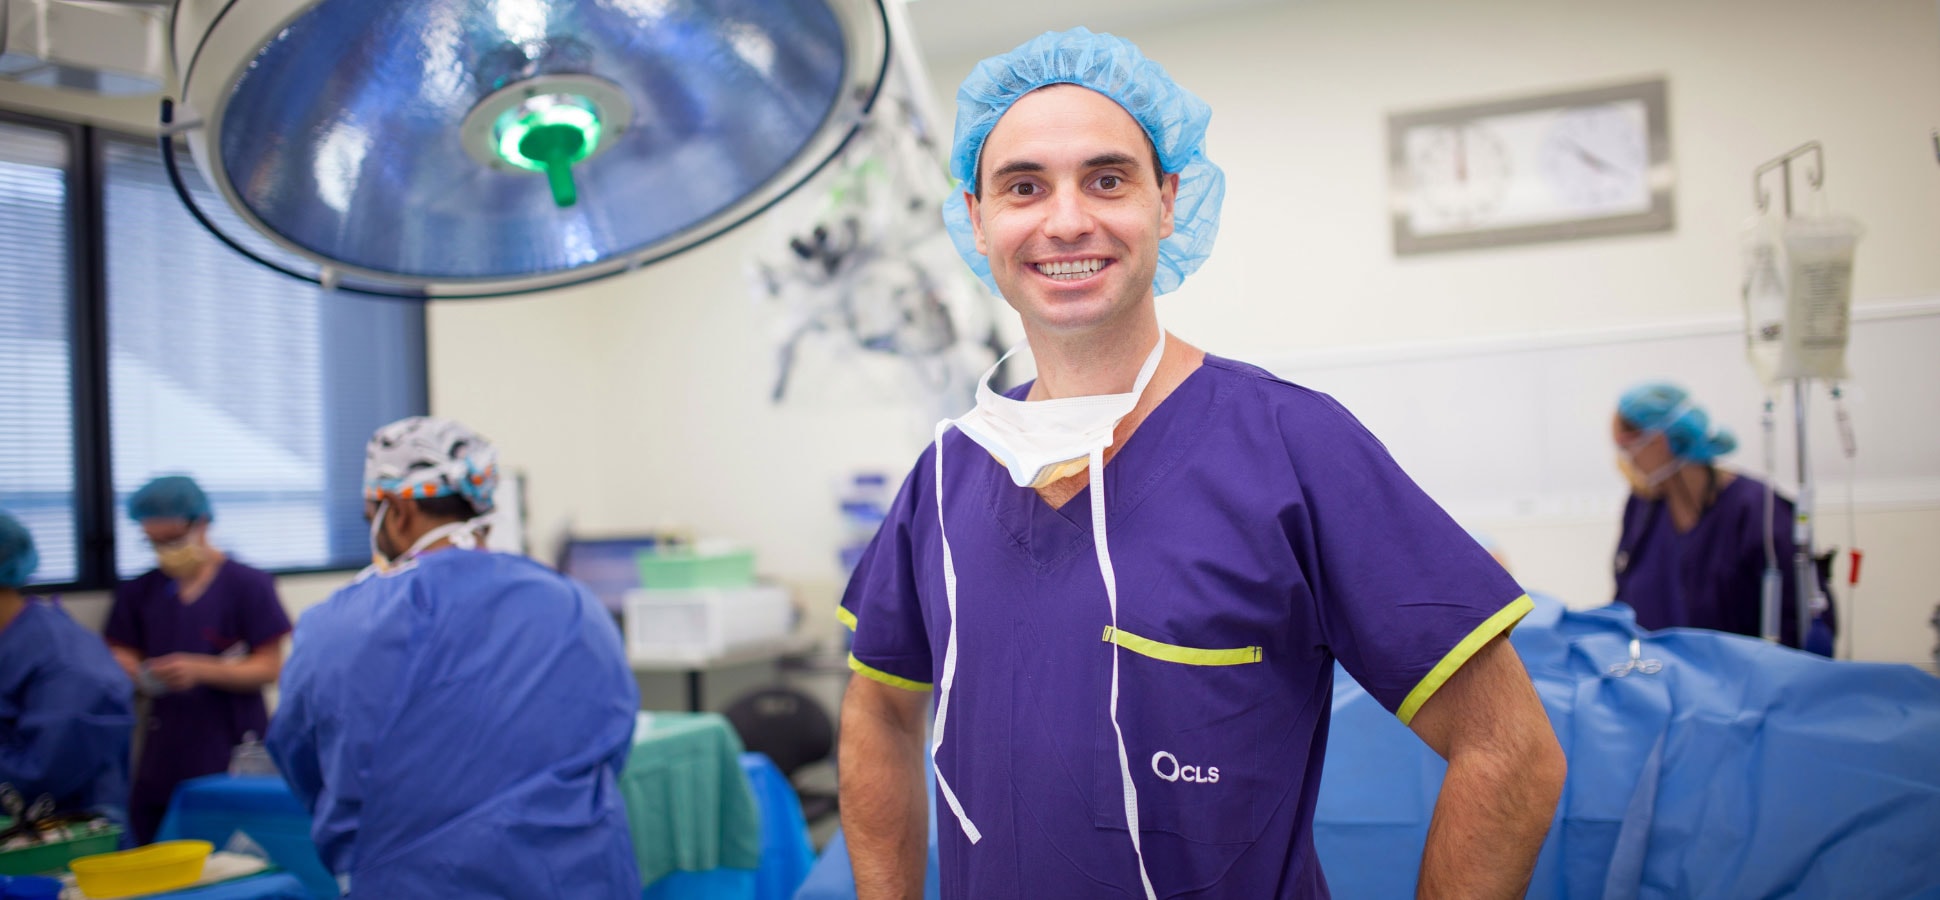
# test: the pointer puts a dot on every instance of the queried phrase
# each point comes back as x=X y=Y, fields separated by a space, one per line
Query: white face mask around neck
x=1043 y=441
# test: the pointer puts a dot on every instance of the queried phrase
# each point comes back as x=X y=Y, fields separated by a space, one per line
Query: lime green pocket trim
x=1191 y=656
x=874 y=674
x=848 y=618
x=1504 y=619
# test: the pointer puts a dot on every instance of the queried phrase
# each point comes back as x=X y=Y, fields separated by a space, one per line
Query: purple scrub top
x=1249 y=517
x=1711 y=576
x=191 y=733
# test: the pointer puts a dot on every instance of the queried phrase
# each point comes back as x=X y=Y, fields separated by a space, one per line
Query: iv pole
x=1802 y=565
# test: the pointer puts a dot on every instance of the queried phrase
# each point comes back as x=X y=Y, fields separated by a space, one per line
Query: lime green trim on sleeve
x=1504 y=619
x=848 y=618
x=1190 y=656
x=875 y=674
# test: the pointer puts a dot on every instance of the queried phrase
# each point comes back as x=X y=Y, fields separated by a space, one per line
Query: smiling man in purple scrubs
x=1147 y=561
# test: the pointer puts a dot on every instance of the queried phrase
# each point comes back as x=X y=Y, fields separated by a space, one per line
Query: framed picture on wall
x=1559 y=166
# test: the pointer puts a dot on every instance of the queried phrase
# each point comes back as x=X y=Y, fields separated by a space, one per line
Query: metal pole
x=1786 y=169
x=1803 y=569
x=1771 y=585
x=1802 y=565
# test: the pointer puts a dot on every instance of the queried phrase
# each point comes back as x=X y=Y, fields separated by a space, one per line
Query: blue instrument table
x=272 y=886
x=216 y=807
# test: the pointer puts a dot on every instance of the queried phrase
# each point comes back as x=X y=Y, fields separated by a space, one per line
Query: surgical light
x=465 y=148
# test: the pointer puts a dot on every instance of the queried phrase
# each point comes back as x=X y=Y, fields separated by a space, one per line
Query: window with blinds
x=37 y=454
x=261 y=387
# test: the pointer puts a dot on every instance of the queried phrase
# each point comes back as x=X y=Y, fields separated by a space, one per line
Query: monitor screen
x=606 y=566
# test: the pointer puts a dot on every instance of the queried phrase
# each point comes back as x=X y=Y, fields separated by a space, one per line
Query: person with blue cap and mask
x=1698 y=539
x=201 y=635
x=456 y=720
x=1125 y=584
x=66 y=711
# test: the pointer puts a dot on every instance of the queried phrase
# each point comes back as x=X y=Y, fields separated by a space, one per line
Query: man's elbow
x=1547 y=768
x=1525 y=767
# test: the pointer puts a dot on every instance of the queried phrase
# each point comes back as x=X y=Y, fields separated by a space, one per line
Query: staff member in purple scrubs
x=201 y=635
x=1694 y=547
x=1126 y=583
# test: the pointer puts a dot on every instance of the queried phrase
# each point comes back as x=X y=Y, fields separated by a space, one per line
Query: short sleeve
x=123 y=628
x=1405 y=596
x=263 y=619
x=881 y=604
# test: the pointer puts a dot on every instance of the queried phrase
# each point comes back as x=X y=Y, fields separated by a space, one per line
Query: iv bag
x=1798 y=296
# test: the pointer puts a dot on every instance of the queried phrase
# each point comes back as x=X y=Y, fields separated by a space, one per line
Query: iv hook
x=1814 y=176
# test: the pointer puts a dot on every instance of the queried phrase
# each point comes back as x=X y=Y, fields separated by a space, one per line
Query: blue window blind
x=262 y=388
x=37 y=455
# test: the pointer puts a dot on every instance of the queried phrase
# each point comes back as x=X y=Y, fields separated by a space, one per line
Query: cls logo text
x=1166 y=766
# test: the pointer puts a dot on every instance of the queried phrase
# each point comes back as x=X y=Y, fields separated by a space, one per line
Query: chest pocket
x=1205 y=733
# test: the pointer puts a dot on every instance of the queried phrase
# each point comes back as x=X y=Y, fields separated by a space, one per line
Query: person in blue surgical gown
x=455 y=719
x=1698 y=538
x=66 y=710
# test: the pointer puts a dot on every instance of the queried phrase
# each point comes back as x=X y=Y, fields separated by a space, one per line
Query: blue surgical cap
x=170 y=497
x=1172 y=117
x=17 y=555
x=1666 y=408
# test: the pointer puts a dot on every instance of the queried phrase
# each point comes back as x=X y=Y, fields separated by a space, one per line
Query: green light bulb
x=556 y=147
x=548 y=135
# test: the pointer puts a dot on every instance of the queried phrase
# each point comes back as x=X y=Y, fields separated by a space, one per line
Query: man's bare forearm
x=1489 y=825
x=1505 y=774
x=884 y=805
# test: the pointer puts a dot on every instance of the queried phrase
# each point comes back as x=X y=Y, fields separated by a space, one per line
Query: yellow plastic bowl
x=144 y=870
